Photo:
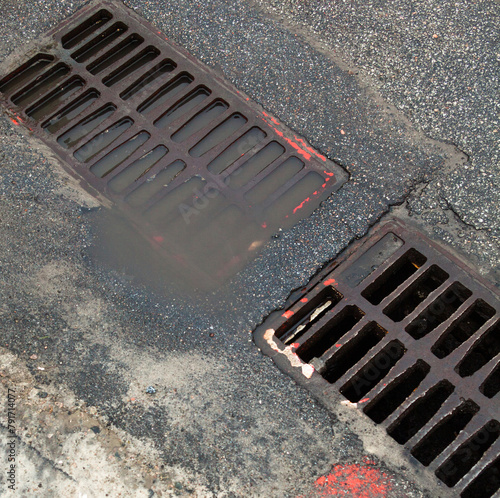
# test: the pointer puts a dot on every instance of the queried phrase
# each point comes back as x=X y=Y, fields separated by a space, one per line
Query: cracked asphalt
x=402 y=94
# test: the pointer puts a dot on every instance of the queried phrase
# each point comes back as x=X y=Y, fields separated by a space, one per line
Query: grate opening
x=491 y=385
x=353 y=351
x=474 y=318
x=373 y=372
x=420 y=412
x=251 y=168
x=100 y=42
x=395 y=394
x=21 y=76
x=124 y=48
x=481 y=353
x=329 y=334
x=220 y=133
x=149 y=189
x=236 y=150
x=282 y=174
x=117 y=156
x=104 y=139
x=137 y=169
x=40 y=86
x=53 y=101
x=440 y=437
x=442 y=308
x=311 y=313
x=146 y=81
x=70 y=112
x=468 y=454
x=416 y=293
x=85 y=29
x=200 y=121
x=71 y=137
x=148 y=55
x=394 y=276
x=486 y=484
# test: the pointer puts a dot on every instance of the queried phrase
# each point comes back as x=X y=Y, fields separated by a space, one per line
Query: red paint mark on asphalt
x=158 y=238
x=310 y=149
x=330 y=281
x=288 y=314
x=304 y=300
x=14 y=121
x=301 y=151
x=352 y=480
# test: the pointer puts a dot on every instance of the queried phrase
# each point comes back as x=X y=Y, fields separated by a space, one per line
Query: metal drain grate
x=401 y=329
x=158 y=133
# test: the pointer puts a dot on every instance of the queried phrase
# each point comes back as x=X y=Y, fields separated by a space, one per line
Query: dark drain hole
x=302 y=320
x=101 y=41
x=145 y=81
x=468 y=454
x=420 y=412
x=486 y=484
x=397 y=392
x=394 y=276
x=438 y=312
x=25 y=73
x=491 y=385
x=373 y=372
x=328 y=335
x=349 y=354
x=481 y=353
x=439 y=438
x=418 y=292
x=85 y=29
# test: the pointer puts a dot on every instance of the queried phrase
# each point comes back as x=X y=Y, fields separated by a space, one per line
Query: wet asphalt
x=361 y=83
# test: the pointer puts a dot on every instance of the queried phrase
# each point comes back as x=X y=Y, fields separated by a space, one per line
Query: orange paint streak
x=330 y=281
x=288 y=314
x=304 y=300
x=302 y=152
x=14 y=121
x=301 y=205
x=310 y=149
x=158 y=238
x=338 y=345
x=295 y=345
x=364 y=400
x=328 y=173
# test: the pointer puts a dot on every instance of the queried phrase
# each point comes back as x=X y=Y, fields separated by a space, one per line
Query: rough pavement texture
x=224 y=420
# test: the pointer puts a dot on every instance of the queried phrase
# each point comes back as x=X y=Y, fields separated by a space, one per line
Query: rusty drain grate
x=402 y=330
x=178 y=149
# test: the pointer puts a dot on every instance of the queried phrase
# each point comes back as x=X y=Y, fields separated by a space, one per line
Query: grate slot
x=486 y=484
x=274 y=180
x=71 y=111
x=146 y=81
x=473 y=319
x=21 y=76
x=40 y=86
x=260 y=161
x=309 y=314
x=116 y=157
x=222 y=132
x=97 y=144
x=441 y=436
x=440 y=310
x=52 y=102
x=468 y=454
x=420 y=412
x=416 y=293
x=200 y=121
x=491 y=385
x=85 y=29
x=86 y=126
x=394 y=276
x=155 y=183
x=481 y=353
x=183 y=107
x=138 y=168
x=236 y=150
x=148 y=55
x=353 y=351
x=373 y=371
x=100 y=42
x=397 y=392
x=328 y=335
x=295 y=198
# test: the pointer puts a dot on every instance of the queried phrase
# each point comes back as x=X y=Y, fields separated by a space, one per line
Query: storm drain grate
x=402 y=330
x=158 y=133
